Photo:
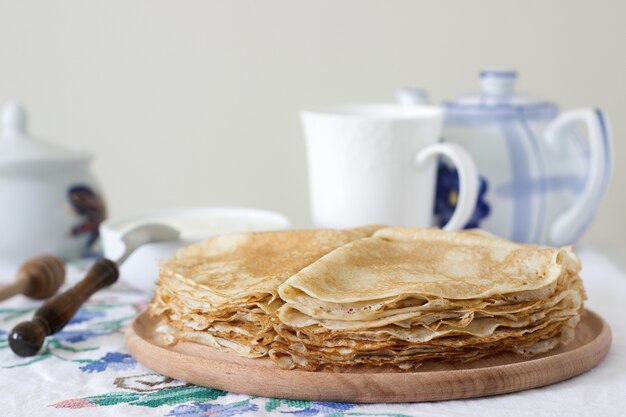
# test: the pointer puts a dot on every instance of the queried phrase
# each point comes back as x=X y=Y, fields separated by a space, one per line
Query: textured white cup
x=376 y=164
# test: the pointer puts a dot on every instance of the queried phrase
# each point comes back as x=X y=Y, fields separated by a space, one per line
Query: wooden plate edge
x=376 y=387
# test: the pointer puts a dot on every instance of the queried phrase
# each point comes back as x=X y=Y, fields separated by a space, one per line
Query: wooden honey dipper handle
x=27 y=337
x=39 y=277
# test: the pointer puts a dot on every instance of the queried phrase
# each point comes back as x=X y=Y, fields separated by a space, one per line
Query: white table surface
x=88 y=372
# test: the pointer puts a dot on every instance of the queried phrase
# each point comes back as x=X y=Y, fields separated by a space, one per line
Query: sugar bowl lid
x=17 y=147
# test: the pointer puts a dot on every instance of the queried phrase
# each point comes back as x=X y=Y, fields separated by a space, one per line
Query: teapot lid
x=17 y=147
x=498 y=98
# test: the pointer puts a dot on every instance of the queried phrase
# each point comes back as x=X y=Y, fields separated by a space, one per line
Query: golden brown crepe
x=376 y=296
x=222 y=292
x=407 y=295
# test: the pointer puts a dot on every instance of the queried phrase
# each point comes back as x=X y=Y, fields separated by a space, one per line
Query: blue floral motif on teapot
x=447 y=195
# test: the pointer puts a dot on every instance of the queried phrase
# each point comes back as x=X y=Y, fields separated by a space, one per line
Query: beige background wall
x=195 y=102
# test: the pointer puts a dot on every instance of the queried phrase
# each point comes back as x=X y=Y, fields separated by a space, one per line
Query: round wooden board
x=502 y=373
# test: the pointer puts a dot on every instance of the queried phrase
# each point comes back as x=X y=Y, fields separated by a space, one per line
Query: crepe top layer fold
x=236 y=265
x=399 y=261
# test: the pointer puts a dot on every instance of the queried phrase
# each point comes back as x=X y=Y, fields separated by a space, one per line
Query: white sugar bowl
x=50 y=200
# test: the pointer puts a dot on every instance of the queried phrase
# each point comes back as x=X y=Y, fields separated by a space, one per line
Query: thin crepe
x=370 y=296
x=211 y=290
x=406 y=295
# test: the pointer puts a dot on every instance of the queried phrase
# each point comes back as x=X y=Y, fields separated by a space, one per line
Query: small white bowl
x=195 y=224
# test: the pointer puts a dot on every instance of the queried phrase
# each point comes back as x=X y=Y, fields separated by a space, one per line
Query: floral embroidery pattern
x=207 y=409
x=167 y=396
x=309 y=408
x=148 y=382
x=76 y=336
x=87 y=313
x=113 y=360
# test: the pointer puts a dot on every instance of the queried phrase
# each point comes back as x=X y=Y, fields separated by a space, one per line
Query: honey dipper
x=39 y=278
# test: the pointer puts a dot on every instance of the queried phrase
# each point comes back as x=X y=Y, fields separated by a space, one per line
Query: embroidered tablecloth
x=86 y=370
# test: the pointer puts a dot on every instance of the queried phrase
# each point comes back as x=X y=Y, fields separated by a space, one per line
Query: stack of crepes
x=408 y=295
x=224 y=291
x=370 y=296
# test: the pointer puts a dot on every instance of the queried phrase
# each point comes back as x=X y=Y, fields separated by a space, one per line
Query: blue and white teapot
x=543 y=173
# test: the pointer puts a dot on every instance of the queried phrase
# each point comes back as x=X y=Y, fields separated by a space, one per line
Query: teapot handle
x=568 y=225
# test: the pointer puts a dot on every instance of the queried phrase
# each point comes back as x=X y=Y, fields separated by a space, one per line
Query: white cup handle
x=568 y=226
x=468 y=180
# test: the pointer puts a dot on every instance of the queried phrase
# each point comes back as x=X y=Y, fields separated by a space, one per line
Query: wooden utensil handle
x=27 y=337
x=60 y=309
x=11 y=290
x=39 y=277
